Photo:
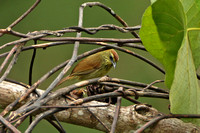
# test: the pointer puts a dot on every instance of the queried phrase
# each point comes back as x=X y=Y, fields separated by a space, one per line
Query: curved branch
x=130 y=117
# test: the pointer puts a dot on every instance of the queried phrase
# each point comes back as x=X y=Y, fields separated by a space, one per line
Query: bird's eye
x=111 y=58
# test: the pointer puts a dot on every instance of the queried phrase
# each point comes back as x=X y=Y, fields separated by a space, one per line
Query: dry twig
x=51 y=104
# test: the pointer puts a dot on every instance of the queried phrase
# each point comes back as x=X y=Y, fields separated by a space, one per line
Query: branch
x=130 y=117
x=22 y=16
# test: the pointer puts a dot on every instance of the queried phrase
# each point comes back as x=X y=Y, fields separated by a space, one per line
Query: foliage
x=170 y=33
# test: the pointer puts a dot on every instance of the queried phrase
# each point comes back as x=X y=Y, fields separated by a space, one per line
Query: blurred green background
x=56 y=15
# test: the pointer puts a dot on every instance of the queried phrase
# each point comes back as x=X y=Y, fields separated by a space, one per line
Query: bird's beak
x=114 y=64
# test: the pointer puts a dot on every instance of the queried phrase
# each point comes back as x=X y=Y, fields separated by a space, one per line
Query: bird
x=93 y=66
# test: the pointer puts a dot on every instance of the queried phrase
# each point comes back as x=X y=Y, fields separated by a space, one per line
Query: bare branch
x=10 y=126
x=18 y=50
x=130 y=117
x=22 y=16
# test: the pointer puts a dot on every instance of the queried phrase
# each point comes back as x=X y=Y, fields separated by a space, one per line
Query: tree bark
x=130 y=117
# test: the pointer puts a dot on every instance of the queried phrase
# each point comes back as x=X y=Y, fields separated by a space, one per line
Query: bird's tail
x=64 y=79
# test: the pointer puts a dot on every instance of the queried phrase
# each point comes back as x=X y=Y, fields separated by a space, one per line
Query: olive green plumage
x=96 y=65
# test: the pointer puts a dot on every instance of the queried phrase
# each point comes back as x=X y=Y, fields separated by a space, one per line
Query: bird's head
x=113 y=57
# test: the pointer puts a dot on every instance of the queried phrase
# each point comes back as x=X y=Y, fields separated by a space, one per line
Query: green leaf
x=165 y=35
x=185 y=91
x=162 y=31
x=163 y=27
x=152 y=1
x=193 y=21
x=198 y=4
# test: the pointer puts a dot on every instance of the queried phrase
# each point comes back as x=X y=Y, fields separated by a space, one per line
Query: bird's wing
x=87 y=65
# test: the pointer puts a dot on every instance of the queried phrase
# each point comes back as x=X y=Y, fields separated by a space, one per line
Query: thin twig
x=8 y=57
x=50 y=44
x=58 y=93
x=157 y=81
x=104 y=27
x=10 y=107
x=132 y=100
x=67 y=89
x=23 y=15
x=113 y=84
x=133 y=83
x=72 y=60
x=75 y=103
x=43 y=78
x=10 y=126
x=133 y=45
x=90 y=4
x=72 y=106
x=89 y=30
x=79 y=101
x=117 y=111
x=31 y=74
x=158 y=118
x=22 y=117
x=99 y=120
x=19 y=122
x=22 y=40
x=58 y=126
x=82 y=39
x=18 y=50
x=31 y=64
x=40 y=117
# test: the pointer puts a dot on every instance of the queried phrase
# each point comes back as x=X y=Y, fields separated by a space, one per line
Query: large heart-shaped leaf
x=165 y=35
x=185 y=91
x=162 y=33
